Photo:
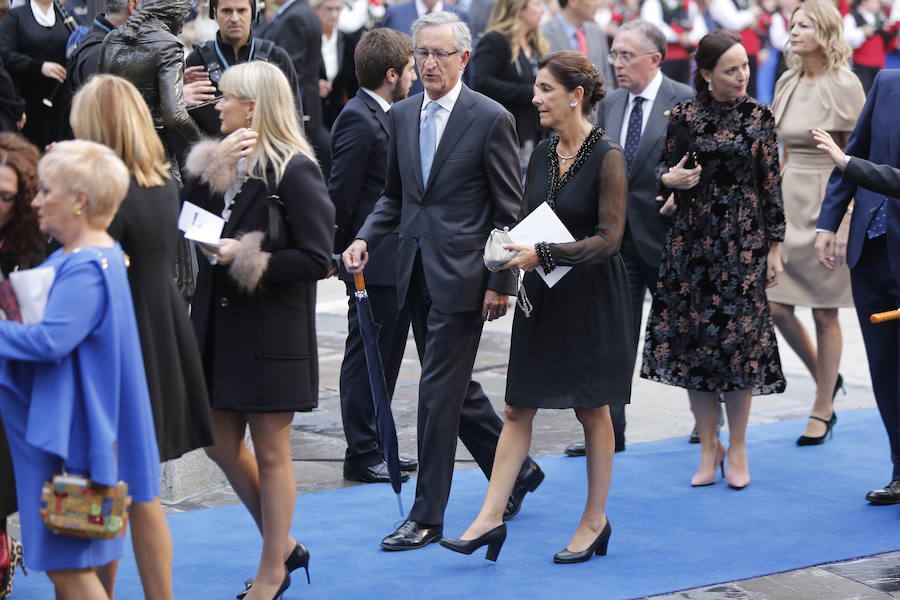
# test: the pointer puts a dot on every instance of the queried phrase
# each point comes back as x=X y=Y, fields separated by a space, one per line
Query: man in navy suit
x=359 y=148
x=452 y=176
x=873 y=255
x=402 y=16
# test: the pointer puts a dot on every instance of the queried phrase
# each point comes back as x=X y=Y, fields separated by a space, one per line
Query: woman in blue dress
x=81 y=364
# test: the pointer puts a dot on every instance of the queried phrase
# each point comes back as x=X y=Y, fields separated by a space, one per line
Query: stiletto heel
x=566 y=556
x=492 y=538
x=838 y=385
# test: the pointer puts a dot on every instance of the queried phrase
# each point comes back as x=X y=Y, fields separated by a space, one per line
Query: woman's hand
x=223 y=254
x=827 y=144
x=774 y=268
x=53 y=70
x=667 y=206
x=526 y=258
x=237 y=145
x=679 y=178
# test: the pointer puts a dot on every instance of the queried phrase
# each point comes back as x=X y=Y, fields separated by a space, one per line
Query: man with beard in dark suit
x=637 y=115
x=359 y=148
x=452 y=176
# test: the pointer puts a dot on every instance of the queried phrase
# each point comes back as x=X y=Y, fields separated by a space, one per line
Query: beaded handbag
x=75 y=506
x=495 y=255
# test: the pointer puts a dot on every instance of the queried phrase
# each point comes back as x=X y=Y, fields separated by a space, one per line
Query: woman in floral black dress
x=710 y=330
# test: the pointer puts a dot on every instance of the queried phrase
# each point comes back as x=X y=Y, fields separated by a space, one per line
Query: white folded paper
x=200 y=225
x=543 y=225
x=32 y=288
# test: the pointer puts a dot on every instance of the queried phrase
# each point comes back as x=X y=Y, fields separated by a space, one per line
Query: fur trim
x=204 y=161
x=250 y=261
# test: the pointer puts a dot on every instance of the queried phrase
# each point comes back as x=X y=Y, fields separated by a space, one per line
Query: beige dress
x=833 y=103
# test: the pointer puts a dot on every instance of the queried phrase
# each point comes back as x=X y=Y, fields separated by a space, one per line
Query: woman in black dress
x=255 y=308
x=109 y=110
x=33 y=48
x=505 y=63
x=22 y=246
x=710 y=330
x=576 y=348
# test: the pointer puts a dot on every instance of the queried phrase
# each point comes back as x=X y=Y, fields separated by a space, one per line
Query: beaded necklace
x=556 y=182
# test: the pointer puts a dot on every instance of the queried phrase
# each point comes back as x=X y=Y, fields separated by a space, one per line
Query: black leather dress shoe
x=576 y=449
x=377 y=473
x=411 y=535
x=408 y=464
x=889 y=494
x=530 y=477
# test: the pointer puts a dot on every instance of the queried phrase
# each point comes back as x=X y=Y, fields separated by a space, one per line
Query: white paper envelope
x=32 y=288
x=200 y=225
x=543 y=225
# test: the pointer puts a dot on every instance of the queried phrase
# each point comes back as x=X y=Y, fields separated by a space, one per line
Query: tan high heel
x=703 y=479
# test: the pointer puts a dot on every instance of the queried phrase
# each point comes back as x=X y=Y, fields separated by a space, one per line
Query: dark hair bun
x=572 y=70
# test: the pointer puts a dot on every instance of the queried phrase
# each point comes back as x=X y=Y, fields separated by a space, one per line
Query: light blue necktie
x=878 y=225
x=428 y=140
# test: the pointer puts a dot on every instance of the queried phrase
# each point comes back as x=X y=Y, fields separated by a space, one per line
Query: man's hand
x=195 y=73
x=668 y=207
x=199 y=92
x=324 y=88
x=495 y=305
x=825 y=249
x=356 y=256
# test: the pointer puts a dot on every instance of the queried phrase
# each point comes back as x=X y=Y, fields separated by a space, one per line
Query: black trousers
x=866 y=76
x=641 y=277
x=357 y=410
x=875 y=289
x=450 y=404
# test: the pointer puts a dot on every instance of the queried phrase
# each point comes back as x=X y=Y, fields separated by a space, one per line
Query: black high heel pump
x=493 y=539
x=806 y=440
x=598 y=547
x=299 y=557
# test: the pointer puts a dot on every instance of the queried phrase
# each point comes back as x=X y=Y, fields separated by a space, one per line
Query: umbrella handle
x=885 y=316
x=360 y=282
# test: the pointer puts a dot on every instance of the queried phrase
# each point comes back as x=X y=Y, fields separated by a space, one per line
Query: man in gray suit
x=452 y=176
x=573 y=28
x=637 y=116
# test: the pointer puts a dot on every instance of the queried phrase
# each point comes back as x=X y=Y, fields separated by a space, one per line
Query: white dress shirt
x=727 y=15
x=384 y=104
x=330 y=55
x=447 y=102
x=649 y=96
x=422 y=10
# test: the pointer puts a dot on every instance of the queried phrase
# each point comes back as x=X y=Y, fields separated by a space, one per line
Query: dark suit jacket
x=298 y=30
x=474 y=186
x=344 y=85
x=876 y=137
x=509 y=83
x=597 y=42
x=359 y=149
x=881 y=179
x=647 y=227
x=401 y=17
x=11 y=105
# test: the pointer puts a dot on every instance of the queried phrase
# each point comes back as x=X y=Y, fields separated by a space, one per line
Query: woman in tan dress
x=818 y=91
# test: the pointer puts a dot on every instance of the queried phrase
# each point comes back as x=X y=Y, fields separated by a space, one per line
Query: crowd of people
x=330 y=146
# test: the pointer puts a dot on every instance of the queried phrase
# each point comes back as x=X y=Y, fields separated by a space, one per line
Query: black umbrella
x=384 y=418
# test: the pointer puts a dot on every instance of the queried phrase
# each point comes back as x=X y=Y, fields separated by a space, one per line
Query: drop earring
x=573 y=103
x=76 y=211
x=709 y=83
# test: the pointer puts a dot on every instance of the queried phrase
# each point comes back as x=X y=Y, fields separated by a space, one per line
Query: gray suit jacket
x=475 y=186
x=598 y=47
x=646 y=226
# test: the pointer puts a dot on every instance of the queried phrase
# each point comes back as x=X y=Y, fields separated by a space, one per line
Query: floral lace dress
x=710 y=328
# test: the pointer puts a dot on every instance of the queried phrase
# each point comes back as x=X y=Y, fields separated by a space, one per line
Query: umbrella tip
x=400 y=505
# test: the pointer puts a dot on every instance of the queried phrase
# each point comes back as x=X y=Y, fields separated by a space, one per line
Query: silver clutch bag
x=495 y=255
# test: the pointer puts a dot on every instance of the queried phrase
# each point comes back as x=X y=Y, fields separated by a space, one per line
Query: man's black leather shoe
x=377 y=473
x=408 y=464
x=576 y=449
x=530 y=477
x=411 y=535
x=889 y=494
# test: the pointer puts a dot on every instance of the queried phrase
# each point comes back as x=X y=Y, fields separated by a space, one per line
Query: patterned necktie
x=581 y=41
x=428 y=140
x=878 y=224
x=633 y=136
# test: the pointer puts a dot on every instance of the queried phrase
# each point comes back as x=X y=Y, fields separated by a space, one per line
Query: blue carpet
x=804 y=507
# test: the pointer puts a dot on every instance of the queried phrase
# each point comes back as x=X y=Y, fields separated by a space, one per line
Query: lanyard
x=225 y=63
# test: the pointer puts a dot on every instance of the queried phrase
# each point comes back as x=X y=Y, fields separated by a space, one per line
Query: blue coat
x=73 y=392
x=876 y=137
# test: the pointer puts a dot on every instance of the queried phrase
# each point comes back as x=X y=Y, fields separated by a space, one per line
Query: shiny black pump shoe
x=598 y=547
x=493 y=539
x=806 y=440
x=299 y=557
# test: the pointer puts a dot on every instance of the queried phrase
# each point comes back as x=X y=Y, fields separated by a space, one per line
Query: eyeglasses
x=422 y=54
x=626 y=57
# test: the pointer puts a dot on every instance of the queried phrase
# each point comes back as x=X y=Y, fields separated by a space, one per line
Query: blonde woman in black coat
x=254 y=310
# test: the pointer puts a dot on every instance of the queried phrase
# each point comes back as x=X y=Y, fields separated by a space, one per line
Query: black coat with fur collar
x=255 y=318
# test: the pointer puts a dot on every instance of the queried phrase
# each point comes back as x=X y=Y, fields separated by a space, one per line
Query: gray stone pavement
x=657 y=411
